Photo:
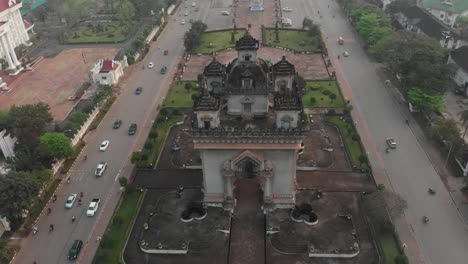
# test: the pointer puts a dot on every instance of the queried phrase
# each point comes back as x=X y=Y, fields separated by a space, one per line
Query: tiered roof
x=215 y=68
x=291 y=102
x=283 y=67
x=247 y=42
x=206 y=102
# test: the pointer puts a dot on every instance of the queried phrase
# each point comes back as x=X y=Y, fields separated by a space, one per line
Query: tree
x=462 y=21
x=42 y=177
x=3 y=119
x=401 y=259
x=382 y=204
x=362 y=159
x=425 y=101
x=123 y=181
x=28 y=122
x=332 y=97
x=58 y=145
x=464 y=118
x=125 y=11
x=76 y=120
x=25 y=160
x=192 y=38
x=417 y=58
x=18 y=190
x=446 y=130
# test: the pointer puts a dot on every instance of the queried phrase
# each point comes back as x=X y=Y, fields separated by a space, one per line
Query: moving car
x=194 y=4
x=287 y=9
x=132 y=129
x=186 y=13
x=163 y=70
x=182 y=22
x=138 y=90
x=101 y=167
x=70 y=200
x=117 y=124
x=341 y=40
x=151 y=65
x=93 y=207
x=346 y=54
x=75 y=249
x=286 y=21
x=104 y=145
x=225 y=13
x=391 y=143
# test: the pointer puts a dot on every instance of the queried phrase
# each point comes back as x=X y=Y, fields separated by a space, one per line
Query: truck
x=93 y=207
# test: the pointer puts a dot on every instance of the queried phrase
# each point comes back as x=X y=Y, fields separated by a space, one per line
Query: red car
x=166 y=52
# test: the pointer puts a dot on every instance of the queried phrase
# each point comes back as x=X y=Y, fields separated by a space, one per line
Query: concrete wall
x=461 y=77
x=212 y=116
x=281 y=117
x=284 y=162
x=212 y=161
x=236 y=104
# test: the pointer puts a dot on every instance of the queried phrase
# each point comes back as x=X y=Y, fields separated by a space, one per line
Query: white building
x=13 y=32
x=446 y=11
x=107 y=72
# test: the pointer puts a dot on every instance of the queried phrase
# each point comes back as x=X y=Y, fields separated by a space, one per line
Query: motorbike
x=431 y=191
x=54 y=198
x=425 y=219
x=35 y=230
x=73 y=219
x=51 y=228
x=49 y=211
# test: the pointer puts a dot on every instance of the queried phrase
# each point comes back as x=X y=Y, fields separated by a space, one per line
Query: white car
x=151 y=65
x=101 y=167
x=186 y=13
x=104 y=145
x=194 y=4
x=346 y=54
x=287 y=9
x=93 y=207
x=225 y=13
x=391 y=143
x=182 y=22
x=70 y=200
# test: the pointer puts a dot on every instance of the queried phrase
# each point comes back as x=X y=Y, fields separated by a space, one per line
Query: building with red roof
x=107 y=71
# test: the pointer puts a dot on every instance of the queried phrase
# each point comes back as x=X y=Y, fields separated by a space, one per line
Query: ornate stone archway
x=235 y=169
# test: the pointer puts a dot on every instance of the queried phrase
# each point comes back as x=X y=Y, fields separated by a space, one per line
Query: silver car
x=70 y=200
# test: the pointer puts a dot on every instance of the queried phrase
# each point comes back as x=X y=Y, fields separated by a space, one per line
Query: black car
x=132 y=129
x=139 y=90
x=117 y=123
x=75 y=249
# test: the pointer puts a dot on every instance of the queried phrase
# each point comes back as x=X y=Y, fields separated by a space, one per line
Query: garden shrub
x=326 y=92
x=148 y=145
x=313 y=100
x=401 y=259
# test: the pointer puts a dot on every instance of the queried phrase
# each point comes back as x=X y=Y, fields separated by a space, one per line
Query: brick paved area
x=54 y=80
x=266 y=17
x=310 y=66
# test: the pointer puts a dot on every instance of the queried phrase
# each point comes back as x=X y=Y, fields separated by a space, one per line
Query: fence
x=80 y=133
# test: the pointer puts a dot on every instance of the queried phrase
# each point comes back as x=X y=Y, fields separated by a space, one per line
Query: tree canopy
x=57 y=145
x=18 y=190
x=192 y=38
x=425 y=101
x=381 y=204
x=125 y=11
x=28 y=122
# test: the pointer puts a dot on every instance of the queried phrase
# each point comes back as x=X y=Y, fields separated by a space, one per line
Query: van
x=75 y=249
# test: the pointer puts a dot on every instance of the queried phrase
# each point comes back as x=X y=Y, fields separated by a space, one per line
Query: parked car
x=117 y=123
x=225 y=13
x=132 y=129
x=391 y=143
x=163 y=70
x=139 y=90
x=151 y=65
x=104 y=145
x=287 y=9
x=75 y=249
x=101 y=167
x=93 y=207
x=70 y=201
x=186 y=13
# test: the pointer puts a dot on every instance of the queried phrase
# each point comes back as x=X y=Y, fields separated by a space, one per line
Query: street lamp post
x=450 y=151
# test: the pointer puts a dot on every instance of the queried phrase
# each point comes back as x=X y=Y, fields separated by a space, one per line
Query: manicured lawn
x=179 y=97
x=347 y=131
x=321 y=91
x=292 y=39
x=112 y=244
x=220 y=40
x=390 y=247
x=149 y=155
x=96 y=33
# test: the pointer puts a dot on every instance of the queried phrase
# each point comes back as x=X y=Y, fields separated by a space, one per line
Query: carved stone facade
x=247 y=123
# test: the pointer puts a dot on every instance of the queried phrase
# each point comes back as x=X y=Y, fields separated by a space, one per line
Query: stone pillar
x=7 y=52
x=268 y=175
x=228 y=174
x=12 y=50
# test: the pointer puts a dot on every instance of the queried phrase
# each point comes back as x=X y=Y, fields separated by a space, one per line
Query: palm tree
x=464 y=118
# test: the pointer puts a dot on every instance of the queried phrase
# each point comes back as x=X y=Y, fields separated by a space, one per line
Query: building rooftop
x=247 y=42
x=108 y=65
x=460 y=56
x=206 y=102
x=283 y=67
x=215 y=68
x=428 y=24
x=454 y=6
x=254 y=71
x=7 y=4
x=287 y=102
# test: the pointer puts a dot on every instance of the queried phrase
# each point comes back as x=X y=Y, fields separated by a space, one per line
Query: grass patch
x=295 y=40
x=389 y=247
x=112 y=244
x=179 y=97
x=37 y=208
x=351 y=139
x=220 y=40
x=156 y=138
x=97 y=33
x=318 y=95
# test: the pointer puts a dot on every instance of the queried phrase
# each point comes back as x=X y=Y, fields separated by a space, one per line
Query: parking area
x=54 y=80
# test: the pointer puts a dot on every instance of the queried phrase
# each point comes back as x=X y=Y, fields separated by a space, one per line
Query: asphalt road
x=445 y=238
x=52 y=247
